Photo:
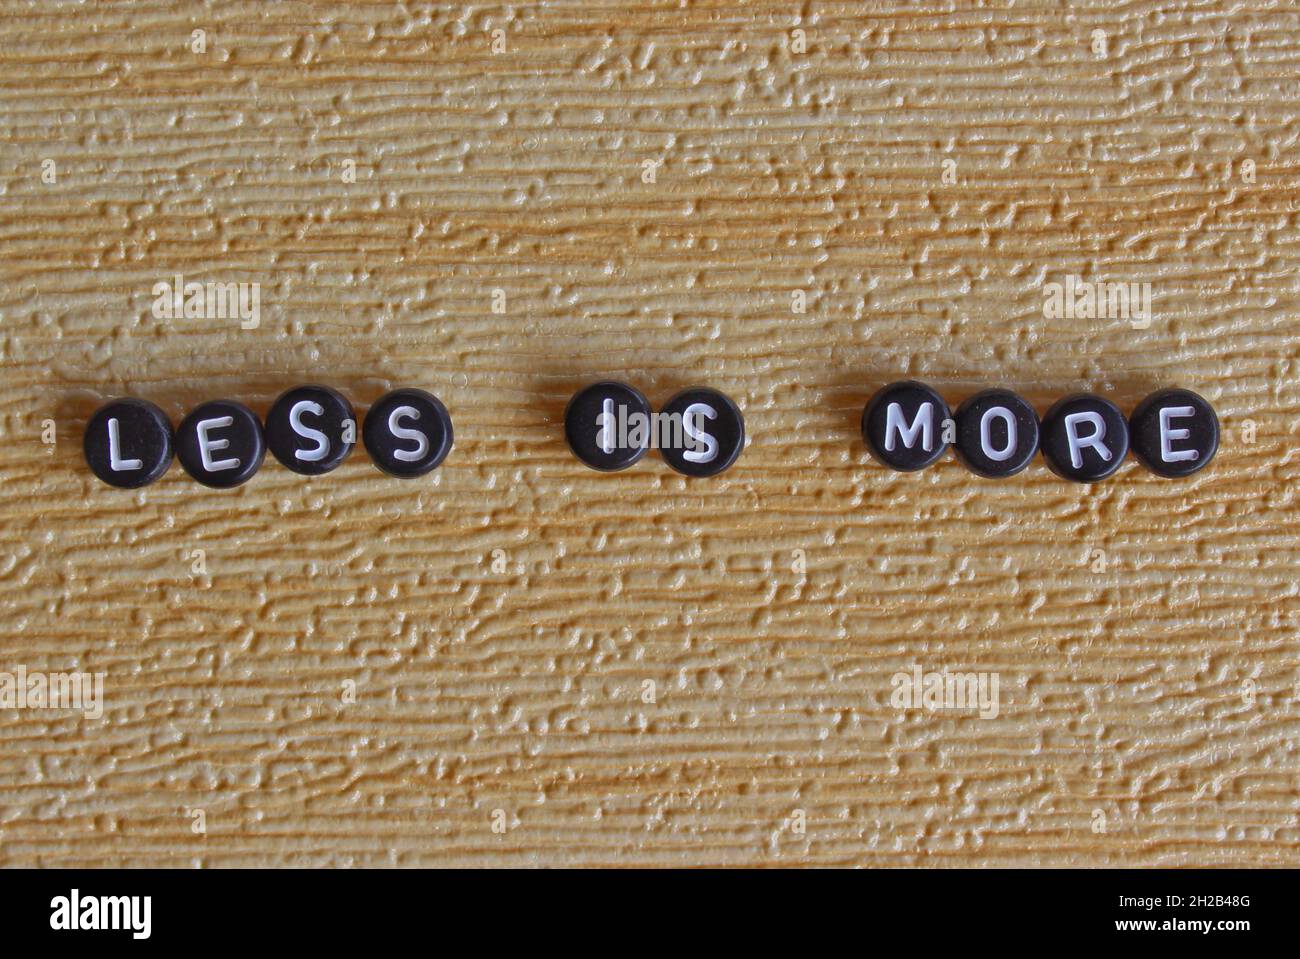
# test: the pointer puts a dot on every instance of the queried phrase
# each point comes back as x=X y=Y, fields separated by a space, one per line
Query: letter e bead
x=221 y=444
x=1174 y=432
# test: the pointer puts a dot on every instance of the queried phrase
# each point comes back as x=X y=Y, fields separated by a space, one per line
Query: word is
x=610 y=426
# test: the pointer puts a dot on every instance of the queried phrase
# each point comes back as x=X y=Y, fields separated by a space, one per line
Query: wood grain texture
x=1157 y=697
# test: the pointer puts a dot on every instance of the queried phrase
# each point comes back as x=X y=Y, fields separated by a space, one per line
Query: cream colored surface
x=501 y=618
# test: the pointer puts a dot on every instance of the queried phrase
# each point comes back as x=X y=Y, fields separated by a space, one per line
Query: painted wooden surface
x=519 y=661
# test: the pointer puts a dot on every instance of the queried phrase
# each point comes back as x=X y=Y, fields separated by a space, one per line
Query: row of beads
x=610 y=426
x=130 y=443
x=310 y=429
x=1083 y=437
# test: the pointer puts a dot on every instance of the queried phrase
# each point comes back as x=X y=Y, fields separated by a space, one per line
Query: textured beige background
x=1159 y=693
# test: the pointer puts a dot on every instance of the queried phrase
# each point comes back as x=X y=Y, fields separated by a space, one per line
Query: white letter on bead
x=691 y=425
x=606 y=421
x=207 y=446
x=922 y=423
x=1077 y=442
x=402 y=433
x=114 y=445
x=306 y=432
x=1166 y=434
x=986 y=434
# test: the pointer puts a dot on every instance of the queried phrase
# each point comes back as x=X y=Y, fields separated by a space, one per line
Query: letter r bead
x=1084 y=437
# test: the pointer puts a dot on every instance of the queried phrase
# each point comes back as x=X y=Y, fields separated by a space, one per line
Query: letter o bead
x=408 y=433
x=128 y=443
x=997 y=433
x=221 y=444
x=1084 y=438
x=1174 y=433
x=903 y=425
x=311 y=429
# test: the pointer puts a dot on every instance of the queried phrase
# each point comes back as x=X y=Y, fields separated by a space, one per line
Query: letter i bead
x=128 y=443
x=607 y=425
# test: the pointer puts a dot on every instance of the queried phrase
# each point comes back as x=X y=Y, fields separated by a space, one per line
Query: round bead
x=997 y=433
x=408 y=433
x=712 y=432
x=1174 y=432
x=221 y=444
x=903 y=425
x=608 y=425
x=128 y=443
x=1084 y=438
x=311 y=429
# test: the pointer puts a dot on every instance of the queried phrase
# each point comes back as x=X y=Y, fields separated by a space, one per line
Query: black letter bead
x=903 y=425
x=128 y=443
x=408 y=433
x=710 y=436
x=608 y=425
x=997 y=433
x=1084 y=438
x=311 y=429
x=1174 y=432
x=221 y=444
